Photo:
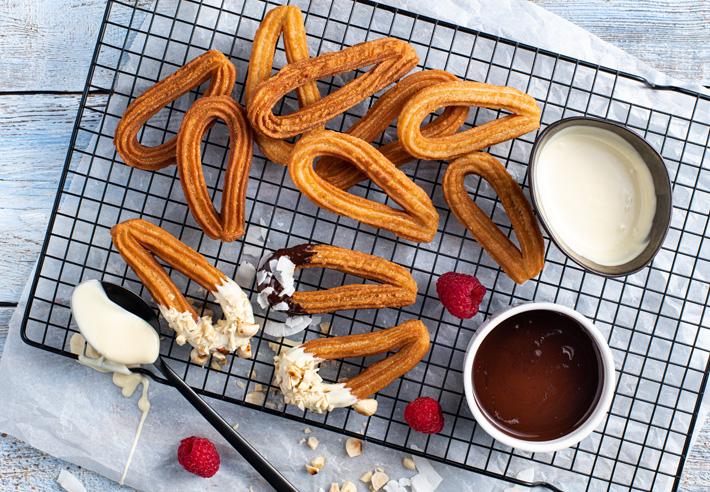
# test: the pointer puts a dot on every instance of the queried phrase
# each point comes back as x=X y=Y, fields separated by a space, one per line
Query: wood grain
x=34 y=136
x=47 y=45
x=669 y=35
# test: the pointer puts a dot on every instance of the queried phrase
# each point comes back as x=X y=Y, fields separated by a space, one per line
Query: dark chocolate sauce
x=299 y=255
x=537 y=375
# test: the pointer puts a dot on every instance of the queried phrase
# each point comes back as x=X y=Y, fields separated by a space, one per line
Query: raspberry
x=461 y=294
x=199 y=456
x=424 y=415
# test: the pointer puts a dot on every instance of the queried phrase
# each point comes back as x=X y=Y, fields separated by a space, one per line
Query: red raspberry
x=424 y=415
x=461 y=294
x=199 y=456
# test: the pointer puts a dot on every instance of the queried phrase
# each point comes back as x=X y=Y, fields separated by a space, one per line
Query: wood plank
x=35 y=131
x=669 y=35
x=47 y=45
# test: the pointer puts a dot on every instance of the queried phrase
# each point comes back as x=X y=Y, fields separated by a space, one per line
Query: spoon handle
x=255 y=459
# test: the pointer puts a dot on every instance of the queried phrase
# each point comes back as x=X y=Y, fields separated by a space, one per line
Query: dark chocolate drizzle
x=299 y=255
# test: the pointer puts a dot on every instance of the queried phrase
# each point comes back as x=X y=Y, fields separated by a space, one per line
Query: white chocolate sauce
x=119 y=335
x=117 y=341
x=597 y=194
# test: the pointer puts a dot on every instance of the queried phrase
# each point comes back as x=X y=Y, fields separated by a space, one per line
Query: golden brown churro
x=520 y=264
x=139 y=242
x=275 y=281
x=343 y=175
x=211 y=65
x=525 y=118
x=229 y=225
x=417 y=222
x=286 y=19
x=391 y=58
x=297 y=368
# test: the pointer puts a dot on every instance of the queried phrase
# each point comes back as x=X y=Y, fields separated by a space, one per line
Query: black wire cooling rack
x=656 y=321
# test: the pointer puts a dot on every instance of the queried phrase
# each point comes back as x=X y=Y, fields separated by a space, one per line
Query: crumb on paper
x=235 y=426
x=306 y=430
x=353 y=447
x=302 y=440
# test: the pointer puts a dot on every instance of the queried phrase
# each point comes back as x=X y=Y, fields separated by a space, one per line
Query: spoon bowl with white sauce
x=123 y=329
x=602 y=193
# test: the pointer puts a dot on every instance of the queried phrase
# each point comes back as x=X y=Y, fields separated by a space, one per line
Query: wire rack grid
x=656 y=320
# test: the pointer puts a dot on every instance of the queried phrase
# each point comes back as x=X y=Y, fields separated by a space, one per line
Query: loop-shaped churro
x=211 y=65
x=297 y=368
x=392 y=59
x=139 y=243
x=274 y=280
x=343 y=175
x=519 y=264
x=525 y=118
x=417 y=221
x=229 y=225
x=286 y=19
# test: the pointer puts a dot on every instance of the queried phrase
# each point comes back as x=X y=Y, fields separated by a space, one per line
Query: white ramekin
x=595 y=417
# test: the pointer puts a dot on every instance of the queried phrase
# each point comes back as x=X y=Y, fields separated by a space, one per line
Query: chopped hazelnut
x=306 y=430
x=334 y=488
x=409 y=463
x=348 y=487
x=318 y=462
x=378 y=480
x=353 y=447
x=312 y=443
x=366 y=407
x=311 y=469
x=366 y=477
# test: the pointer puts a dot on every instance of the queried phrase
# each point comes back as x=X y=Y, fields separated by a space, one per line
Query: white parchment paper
x=76 y=414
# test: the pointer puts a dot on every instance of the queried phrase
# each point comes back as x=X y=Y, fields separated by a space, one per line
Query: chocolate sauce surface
x=299 y=255
x=537 y=375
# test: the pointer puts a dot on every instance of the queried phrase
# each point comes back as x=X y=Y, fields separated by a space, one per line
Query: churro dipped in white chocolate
x=139 y=242
x=297 y=368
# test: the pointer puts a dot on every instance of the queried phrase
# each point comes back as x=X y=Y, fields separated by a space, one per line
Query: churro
x=286 y=19
x=276 y=287
x=229 y=225
x=519 y=264
x=525 y=118
x=211 y=65
x=297 y=368
x=417 y=221
x=391 y=58
x=139 y=243
x=343 y=175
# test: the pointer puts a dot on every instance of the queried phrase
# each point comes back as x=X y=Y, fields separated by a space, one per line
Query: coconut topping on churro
x=297 y=375
x=227 y=335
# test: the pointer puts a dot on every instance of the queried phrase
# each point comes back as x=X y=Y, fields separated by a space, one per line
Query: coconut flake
x=298 y=323
x=427 y=471
x=245 y=274
x=420 y=484
x=393 y=486
x=69 y=482
x=276 y=329
x=281 y=306
x=263 y=297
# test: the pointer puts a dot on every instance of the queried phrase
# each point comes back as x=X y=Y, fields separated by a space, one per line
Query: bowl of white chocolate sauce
x=602 y=193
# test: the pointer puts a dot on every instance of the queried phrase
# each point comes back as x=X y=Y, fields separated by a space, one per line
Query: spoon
x=135 y=304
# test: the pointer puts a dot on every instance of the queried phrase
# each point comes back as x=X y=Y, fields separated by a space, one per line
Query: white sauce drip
x=596 y=193
x=118 y=341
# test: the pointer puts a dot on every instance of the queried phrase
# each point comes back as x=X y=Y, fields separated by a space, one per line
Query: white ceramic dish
x=602 y=403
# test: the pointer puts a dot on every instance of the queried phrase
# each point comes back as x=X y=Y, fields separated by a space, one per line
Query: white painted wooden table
x=45 y=52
